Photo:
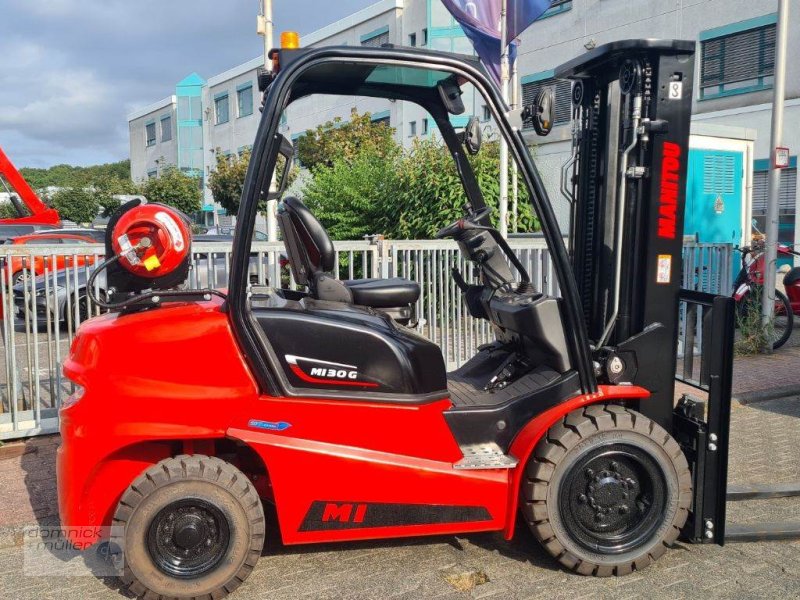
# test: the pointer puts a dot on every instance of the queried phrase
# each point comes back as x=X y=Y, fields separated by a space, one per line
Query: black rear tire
x=784 y=320
x=188 y=527
x=607 y=491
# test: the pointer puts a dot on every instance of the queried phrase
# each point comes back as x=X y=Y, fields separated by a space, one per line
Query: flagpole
x=503 y=144
x=272 y=205
x=514 y=174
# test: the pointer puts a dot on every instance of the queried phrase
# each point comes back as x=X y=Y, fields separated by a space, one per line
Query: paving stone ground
x=764 y=448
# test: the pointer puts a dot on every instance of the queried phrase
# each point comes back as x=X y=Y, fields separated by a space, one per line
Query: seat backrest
x=308 y=246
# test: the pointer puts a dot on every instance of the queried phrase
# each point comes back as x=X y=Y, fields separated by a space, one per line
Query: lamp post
x=265 y=28
x=503 y=145
x=773 y=183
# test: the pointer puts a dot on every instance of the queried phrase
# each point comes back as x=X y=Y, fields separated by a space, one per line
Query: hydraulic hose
x=619 y=225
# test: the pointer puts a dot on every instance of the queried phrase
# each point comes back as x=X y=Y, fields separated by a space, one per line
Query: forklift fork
x=705 y=361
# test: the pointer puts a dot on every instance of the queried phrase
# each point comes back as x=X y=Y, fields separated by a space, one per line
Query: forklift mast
x=625 y=181
x=12 y=182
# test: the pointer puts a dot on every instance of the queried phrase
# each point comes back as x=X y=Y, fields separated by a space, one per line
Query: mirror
x=473 y=136
x=283 y=168
x=540 y=113
x=450 y=93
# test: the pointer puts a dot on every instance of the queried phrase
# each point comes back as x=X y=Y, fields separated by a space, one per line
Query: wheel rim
x=613 y=499
x=188 y=538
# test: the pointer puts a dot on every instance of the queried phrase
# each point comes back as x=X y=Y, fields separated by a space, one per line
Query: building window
x=151 y=174
x=787 y=207
x=150 y=134
x=562 y=89
x=412 y=39
x=244 y=100
x=166 y=128
x=556 y=7
x=412 y=128
x=487 y=114
x=377 y=38
x=425 y=37
x=738 y=58
x=425 y=126
x=221 y=109
x=296 y=147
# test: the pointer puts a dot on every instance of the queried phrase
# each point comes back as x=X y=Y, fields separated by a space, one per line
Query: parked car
x=258 y=236
x=36 y=264
x=9 y=231
x=56 y=294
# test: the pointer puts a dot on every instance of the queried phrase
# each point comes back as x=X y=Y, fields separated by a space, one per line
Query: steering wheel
x=470 y=221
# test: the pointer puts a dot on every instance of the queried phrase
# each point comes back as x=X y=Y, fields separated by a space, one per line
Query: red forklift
x=323 y=403
x=30 y=209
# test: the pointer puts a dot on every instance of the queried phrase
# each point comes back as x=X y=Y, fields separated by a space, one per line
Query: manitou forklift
x=193 y=407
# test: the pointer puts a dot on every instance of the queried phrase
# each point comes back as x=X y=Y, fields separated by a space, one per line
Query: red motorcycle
x=750 y=281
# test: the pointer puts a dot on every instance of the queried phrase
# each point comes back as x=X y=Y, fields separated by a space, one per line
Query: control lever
x=459 y=279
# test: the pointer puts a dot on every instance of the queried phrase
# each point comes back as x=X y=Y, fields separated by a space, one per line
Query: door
x=714 y=196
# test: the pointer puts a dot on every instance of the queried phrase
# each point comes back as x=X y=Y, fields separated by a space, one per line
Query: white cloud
x=70 y=70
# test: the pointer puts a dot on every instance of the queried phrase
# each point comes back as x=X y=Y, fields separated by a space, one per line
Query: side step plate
x=484 y=456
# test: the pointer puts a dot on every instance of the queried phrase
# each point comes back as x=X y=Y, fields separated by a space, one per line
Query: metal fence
x=43 y=299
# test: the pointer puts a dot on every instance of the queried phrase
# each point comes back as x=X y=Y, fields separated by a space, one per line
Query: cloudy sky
x=71 y=70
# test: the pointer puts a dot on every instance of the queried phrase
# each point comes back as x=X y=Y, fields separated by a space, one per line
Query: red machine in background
x=12 y=182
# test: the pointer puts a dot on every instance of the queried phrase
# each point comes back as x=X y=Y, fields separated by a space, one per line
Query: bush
x=8 y=211
x=379 y=188
x=430 y=194
x=76 y=204
x=350 y=196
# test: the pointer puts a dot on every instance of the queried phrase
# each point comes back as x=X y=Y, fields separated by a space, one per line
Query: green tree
x=349 y=197
x=175 y=189
x=345 y=140
x=404 y=195
x=71 y=176
x=227 y=180
x=75 y=204
x=105 y=187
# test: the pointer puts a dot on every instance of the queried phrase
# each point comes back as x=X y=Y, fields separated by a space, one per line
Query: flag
x=480 y=20
x=521 y=13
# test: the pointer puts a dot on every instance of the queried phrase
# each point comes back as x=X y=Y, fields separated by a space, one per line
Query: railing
x=43 y=299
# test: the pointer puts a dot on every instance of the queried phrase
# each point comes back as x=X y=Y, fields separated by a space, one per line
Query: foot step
x=484 y=456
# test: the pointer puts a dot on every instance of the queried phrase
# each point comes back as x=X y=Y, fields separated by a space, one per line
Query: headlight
x=74 y=396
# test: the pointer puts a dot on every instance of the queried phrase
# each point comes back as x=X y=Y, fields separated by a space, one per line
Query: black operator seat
x=313 y=259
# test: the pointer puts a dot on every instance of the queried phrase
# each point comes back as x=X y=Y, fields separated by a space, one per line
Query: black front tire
x=188 y=527
x=607 y=491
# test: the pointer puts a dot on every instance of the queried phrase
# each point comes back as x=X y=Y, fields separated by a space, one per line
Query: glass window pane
x=150 y=134
x=245 y=101
x=166 y=129
x=221 y=109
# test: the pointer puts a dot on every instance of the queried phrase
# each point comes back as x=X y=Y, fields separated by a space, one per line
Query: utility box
x=719 y=186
